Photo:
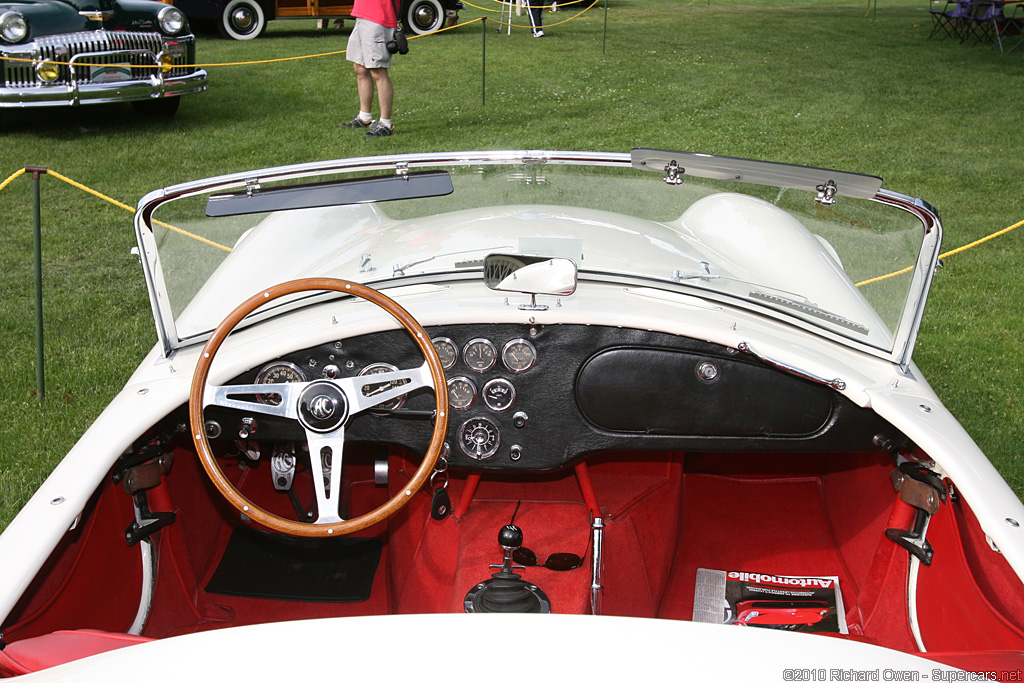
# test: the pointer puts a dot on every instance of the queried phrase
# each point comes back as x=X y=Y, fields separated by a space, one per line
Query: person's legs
x=355 y=53
x=364 y=86
x=537 y=16
x=385 y=91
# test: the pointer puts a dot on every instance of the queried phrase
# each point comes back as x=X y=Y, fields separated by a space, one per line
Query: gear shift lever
x=510 y=538
x=506 y=591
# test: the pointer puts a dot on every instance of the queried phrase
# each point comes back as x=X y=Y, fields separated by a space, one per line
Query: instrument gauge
x=499 y=394
x=519 y=355
x=479 y=438
x=370 y=390
x=279 y=372
x=447 y=351
x=461 y=393
x=480 y=355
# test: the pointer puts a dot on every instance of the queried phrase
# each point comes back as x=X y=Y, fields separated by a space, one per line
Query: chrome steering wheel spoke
x=366 y=391
x=244 y=397
x=326 y=446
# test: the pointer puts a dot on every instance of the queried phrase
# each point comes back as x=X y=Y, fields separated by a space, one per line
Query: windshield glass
x=849 y=270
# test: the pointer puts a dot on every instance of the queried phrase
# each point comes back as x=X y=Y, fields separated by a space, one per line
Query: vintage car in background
x=72 y=52
x=247 y=19
x=379 y=381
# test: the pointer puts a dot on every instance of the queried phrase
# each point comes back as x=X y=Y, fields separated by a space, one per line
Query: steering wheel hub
x=322 y=407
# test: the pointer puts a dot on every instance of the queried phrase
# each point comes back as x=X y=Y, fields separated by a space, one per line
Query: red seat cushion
x=60 y=647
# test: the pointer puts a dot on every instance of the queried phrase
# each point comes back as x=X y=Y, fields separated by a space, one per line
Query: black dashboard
x=538 y=398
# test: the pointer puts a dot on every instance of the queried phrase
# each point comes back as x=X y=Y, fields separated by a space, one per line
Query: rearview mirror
x=530 y=274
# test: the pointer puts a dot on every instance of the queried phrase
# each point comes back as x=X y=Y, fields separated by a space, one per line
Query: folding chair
x=1012 y=27
x=982 y=22
x=949 y=20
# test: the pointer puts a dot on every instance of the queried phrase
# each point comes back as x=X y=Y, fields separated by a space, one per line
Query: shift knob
x=510 y=536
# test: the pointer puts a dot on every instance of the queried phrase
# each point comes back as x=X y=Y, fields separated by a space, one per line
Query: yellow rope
x=951 y=252
x=505 y=4
x=255 y=62
x=58 y=176
x=104 y=197
x=559 y=23
x=14 y=175
x=198 y=66
x=320 y=54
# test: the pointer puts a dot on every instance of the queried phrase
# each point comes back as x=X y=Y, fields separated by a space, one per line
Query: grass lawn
x=817 y=82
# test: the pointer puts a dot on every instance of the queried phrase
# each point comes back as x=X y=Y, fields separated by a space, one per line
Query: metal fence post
x=483 y=62
x=604 y=40
x=37 y=245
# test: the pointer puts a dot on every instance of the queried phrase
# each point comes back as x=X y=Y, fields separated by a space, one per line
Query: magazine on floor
x=793 y=603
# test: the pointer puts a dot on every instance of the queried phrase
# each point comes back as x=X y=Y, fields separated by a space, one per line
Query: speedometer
x=279 y=372
x=370 y=390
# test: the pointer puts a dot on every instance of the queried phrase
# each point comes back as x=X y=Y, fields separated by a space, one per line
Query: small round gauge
x=447 y=351
x=519 y=355
x=461 y=393
x=499 y=394
x=479 y=438
x=480 y=355
x=370 y=390
x=279 y=372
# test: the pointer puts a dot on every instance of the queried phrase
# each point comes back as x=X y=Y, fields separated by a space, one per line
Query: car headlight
x=13 y=27
x=172 y=21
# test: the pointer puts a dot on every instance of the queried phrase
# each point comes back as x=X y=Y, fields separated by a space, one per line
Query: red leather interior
x=60 y=647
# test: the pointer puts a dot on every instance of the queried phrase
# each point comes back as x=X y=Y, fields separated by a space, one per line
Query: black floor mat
x=257 y=564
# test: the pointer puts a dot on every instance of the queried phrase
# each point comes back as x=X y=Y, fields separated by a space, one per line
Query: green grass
x=801 y=81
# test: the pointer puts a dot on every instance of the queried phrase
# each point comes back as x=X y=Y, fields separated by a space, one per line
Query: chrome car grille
x=62 y=48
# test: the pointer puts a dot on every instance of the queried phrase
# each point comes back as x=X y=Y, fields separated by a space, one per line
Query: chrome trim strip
x=836 y=383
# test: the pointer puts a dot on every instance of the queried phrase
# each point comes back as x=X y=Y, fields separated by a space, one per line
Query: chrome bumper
x=75 y=92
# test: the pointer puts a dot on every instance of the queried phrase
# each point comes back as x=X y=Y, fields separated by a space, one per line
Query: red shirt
x=378 y=11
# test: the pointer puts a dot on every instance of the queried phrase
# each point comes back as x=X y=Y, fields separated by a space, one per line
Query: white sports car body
x=684 y=382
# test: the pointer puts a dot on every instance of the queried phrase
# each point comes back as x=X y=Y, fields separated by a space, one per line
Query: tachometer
x=279 y=372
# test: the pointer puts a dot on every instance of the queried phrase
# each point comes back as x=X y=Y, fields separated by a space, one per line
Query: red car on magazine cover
x=439 y=415
x=779 y=613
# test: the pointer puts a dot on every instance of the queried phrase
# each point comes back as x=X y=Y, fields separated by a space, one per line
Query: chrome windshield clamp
x=704 y=273
x=252 y=186
x=365 y=264
x=826 y=193
x=402 y=170
x=673 y=173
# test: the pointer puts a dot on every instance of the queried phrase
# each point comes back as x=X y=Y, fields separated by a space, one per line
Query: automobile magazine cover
x=793 y=603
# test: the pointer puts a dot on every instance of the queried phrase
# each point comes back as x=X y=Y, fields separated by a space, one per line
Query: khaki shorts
x=367 y=45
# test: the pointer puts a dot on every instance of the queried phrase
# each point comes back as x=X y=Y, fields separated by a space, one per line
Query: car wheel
x=424 y=16
x=164 y=106
x=242 y=20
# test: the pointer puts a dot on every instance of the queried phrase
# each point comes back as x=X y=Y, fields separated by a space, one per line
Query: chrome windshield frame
x=169 y=339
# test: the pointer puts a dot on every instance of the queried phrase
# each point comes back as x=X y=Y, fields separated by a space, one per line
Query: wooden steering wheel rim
x=202 y=444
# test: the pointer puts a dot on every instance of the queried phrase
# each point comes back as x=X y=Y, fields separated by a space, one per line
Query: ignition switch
x=247 y=427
